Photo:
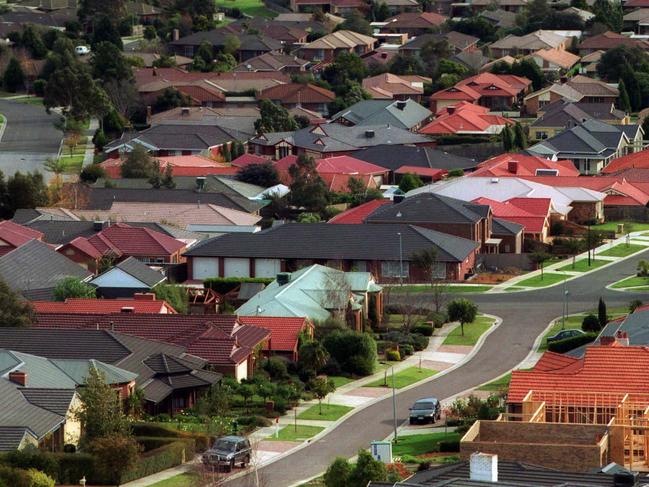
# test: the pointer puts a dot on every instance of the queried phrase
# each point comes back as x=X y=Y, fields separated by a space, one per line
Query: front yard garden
x=582 y=265
x=472 y=332
x=631 y=282
x=414 y=445
x=330 y=412
x=547 y=279
x=623 y=250
x=296 y=433
x=403 y=378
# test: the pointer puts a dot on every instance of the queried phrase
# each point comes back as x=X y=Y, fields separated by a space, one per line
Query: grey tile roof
x=217 y=37
x=566 y=114
x=392 y=157
x=502 y=227
x=54 y=400
x=403 y=114
x=455 y=39
x=324 y=241
x=36 y=266
x=140 y=271
x=12 y=436
x=429 y=208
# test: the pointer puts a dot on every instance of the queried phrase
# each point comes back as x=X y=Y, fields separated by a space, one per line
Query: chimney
x=98 y=225
x=184 y=112
x=401 y=105
x=622 y=338
x=483 y=467
x=369 y=134
x=175 y=34
x=144 y=297
x=450 y=110
x=607 y=341
x=398 y=198
x=200 y=183
x=125 y=309
x=494 y=180
x=18 y=377
x=283 y=278
x=512 y=167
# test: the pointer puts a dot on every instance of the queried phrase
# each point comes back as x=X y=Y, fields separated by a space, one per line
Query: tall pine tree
x=507 y=138
x=625 y=102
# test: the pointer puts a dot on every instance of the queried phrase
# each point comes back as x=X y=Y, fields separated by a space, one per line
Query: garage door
x=267 y=267
x=205 y=267
x=237 y=267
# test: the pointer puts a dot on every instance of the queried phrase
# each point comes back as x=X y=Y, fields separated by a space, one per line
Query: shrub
x=201 y=441
x=449 y=446
x=280 y=404
x=407 y=350
x=393 y=355
x=160 y=459
x=73 y=466
x=590 y=324
x=32 y=458
x=355 y=352
x=254 y=421
x=90 y=174
x=420 y=342
x=39 y=87
x=567 y=344
x=223 y=285
x=438 y=318
x=14 y=477
x=425 y=329
x=39 y=479
x=276 y=368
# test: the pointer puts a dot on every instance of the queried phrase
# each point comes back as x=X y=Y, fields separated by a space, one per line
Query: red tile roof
x=15 y=235
x=635 y=160
x=147 y=75
x=220 y=339
x=430 y=172
x=465 y=118
x=284 y=331
x=484 y=84
x=532 y=222
x=414 y=20
x=603 y=369
x=297 y=93
x=100 y=306
x=180 y=166
x=358 y=214
x=609 y=40
x=248 y=159
x=517 y=165
x=123 y=240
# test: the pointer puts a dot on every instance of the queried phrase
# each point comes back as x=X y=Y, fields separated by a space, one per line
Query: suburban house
x=562 y=114
x=494 y=91
x=337 y=7
x=288 y=33
x=39 y=398
x=318 y=293
x=457 y=41
x=126 y=279
x=520 y=165
x=34 y=269
x=289 y=247
x=403 y=114
x=388 y=86
x=577 y=89
x=637 y=160
x=591 y=145
x=513 y=45
x=120 y=241
x=332 y=139
x=337 y=171
x=308 y=96
x=414 y=23
x=574 y=203
x=228 y=346
x=13 y=235
x=140 y=303
x=507 y=5
x=286 y=333
x=465 y=118
x=533 y=214
x=326 y=48
x=609 y=40
x=251 y=45
x=274 y=62
x=170 y=378
x=499 y=18
x=556 y=61
x=638 y=21
x=179 y=166
x=357 y=214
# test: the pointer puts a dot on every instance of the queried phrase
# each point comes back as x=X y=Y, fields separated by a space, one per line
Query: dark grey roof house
x=251 y=45
x=404 y=114
x=393 y=157
x=126 y=278
x=565 y=114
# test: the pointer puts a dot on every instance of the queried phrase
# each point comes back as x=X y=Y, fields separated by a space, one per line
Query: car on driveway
x=426 y=410
x=227 y=451
x=563 y=334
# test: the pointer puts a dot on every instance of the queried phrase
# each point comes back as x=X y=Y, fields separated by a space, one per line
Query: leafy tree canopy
x=73 y=287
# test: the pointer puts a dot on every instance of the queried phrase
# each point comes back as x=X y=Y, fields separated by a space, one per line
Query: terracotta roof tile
x=285 y=331
x=298 y=93
x=359 y=213
x=94 y=306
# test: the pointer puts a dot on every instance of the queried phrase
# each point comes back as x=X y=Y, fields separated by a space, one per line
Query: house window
x=541 y=134
x=283 y=151
x=178 y=403
x=392 y=268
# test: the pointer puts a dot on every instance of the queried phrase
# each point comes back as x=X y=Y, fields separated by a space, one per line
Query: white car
x=82 y=50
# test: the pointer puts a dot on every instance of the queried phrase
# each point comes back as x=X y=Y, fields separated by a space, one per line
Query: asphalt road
x=29 y=138
x=525 y=315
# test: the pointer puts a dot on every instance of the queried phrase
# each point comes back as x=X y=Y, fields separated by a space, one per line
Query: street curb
x=333 y=426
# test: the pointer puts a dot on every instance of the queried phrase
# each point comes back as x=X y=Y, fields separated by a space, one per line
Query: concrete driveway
x=29 y=138
x=525 y=316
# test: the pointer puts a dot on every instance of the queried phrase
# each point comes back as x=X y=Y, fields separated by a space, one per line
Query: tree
x=74 y=89
x=108 y=62
x=573 y=247
x=101 y=413
x=56 y=167
x=367 y=470
x=409 y=182
x=355 y=352
x=204 y=57
x=590 y=323
x=246 y=391
x=114 y=455
x=216 y=401
x=105 y=30
x=613 y=61
x=356 y=22
x=539 y=258
x=520 y=139
x=530 y=70
x=313 y=356
x=346 y=67
x=73 y=287
x=462 y=310
x=308 y=190
x=624 y=101
x=168 y=177
x=14 y=77
x=338 y=473
x=608 y=13
x=643 y=268
x=634 y=304
x=432 y=53
x=90 y=174
x=25 y=191
x=349 y=93
x=171 y=98
x=175 y=296
x=274 y=118
x=138 y=164
x=15 y=312
x=632 y=87
x=426 y=260
x=321 y=387
x=476 y=26
x=231 y=44
x=602 y=315
x=507 y=138
x=380 y=11
x=264 y=175
x=32 y=40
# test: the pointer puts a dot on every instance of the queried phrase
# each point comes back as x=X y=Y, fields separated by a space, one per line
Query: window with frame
x=393 y=268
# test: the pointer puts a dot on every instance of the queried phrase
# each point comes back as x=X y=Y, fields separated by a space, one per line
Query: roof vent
x=200 y=183
x=483 y=467
x=128 y=309
x=401 y=105
x=369 y=134
x=98 y=226
x=495 y=180
x=184 y=112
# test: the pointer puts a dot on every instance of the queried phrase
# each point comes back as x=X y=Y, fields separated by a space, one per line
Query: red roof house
x=290 y=95
x=119 y=241
x=247 y=159
x=519 y=165
x=285 y=332
x=637 y=160
x=192 y=165
x=465 y=118
x=359 y=213
x=13 y=236
x=532 y=213
x=141 y=303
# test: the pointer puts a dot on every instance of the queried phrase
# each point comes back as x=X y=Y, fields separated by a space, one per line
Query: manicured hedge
x=224 y=285
x=146 y=430
x=72 y=467
x=449 y=446
x=567 y=344
x=150 y=443
x=162 y=458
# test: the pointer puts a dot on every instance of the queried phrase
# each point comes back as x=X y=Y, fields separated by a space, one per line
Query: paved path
x=525 y=316
x=29 y=138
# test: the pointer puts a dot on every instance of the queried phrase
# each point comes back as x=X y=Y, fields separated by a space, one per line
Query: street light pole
x=565 y=303
x=400 y=261
x=588 y=243
x=394 y=406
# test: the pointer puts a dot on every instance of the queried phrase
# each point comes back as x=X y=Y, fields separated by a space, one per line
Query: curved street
x=525 y=316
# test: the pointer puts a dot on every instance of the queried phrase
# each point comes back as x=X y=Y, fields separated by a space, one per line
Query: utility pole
x=588 y=243
x=400 y=260
x=394 y=405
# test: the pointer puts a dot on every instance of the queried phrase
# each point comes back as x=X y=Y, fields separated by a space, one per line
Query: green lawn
x=582 y=265
x=497 y=384
x=30 y=100
x=451 y=289
x=548 y=279
x=404 y=377
x=420 y=444
x=290 y=433
x=623 y=250
x=472 y=332
x=633 y=281
x=330 y=412
x=182 y=480
x=612 y=226
x=340 y=381
x=514 y=289
x=254 y=8
x=72 y=164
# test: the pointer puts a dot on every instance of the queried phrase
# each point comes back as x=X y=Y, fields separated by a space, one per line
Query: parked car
x=563 y=334
x=227 y=451
x=425 y=410
x=82 y=50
